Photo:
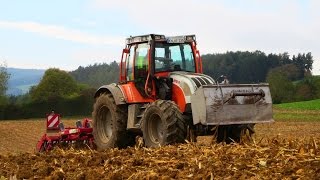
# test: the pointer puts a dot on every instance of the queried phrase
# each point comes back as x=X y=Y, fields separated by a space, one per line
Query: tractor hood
x=194 y=79
x=190 y=82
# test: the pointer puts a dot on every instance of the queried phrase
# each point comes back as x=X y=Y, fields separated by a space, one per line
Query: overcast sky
x=71 y=33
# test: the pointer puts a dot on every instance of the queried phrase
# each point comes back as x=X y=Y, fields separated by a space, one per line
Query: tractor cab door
x=141 y=64
x=137 y=65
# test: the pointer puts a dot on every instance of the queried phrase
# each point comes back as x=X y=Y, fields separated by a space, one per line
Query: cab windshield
x=174 y=57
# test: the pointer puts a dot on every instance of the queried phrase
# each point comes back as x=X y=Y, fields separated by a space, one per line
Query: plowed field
x=281 y=150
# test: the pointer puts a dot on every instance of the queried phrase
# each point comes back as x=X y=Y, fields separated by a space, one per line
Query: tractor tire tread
x=174 y=121
x=120 y=137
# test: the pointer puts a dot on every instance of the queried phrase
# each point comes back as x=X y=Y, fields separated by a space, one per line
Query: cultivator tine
x=61 y=126
x=43 y=147
x=79 y=124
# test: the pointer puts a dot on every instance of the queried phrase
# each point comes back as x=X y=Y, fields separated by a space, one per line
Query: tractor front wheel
x=162 y=124
x=109 y=123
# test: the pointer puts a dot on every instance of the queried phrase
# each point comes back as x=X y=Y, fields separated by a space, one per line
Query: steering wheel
x=164 y=59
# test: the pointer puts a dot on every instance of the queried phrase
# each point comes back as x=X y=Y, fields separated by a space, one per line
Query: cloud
x=268 y=25
x=60 y=32
x=84 y=22
x=271 y=26
x=214 y=20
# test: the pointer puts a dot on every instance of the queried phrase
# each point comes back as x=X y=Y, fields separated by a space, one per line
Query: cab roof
x=158 y=37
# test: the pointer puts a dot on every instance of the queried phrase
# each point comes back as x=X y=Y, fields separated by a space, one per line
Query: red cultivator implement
x=57 y=134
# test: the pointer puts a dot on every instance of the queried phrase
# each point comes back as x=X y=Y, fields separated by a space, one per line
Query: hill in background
x=97 y=75
x=22 y=79
x=239 y=67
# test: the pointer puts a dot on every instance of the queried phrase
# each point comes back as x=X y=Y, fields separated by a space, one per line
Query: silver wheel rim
x=104 y=124
x=155 y=128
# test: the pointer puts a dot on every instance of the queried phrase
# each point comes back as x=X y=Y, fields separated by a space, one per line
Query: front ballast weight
x=233 y=94
x=232 y=104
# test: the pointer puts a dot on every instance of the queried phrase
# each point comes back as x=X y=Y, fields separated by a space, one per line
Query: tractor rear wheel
x=109 y=123
x=162 y=124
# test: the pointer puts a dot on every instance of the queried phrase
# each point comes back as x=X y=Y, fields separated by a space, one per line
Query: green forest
x=71 y=93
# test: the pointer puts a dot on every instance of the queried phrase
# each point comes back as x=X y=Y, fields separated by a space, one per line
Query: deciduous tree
x=282 y=90
x=4 y=77
x=54 y=84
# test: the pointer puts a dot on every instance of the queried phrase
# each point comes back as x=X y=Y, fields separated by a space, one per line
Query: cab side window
x=130 y=64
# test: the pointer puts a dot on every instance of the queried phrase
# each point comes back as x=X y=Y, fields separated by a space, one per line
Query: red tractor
x=164 y=96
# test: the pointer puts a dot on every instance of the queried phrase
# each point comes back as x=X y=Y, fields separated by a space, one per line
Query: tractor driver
x=141 y=66
x=142 y=63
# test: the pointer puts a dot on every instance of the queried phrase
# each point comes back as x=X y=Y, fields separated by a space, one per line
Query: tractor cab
x=148 y=60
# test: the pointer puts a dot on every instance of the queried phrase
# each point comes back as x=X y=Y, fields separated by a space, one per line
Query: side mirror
x=199 y=62
x=124 y=55
x=126 y=51
x=198 y=53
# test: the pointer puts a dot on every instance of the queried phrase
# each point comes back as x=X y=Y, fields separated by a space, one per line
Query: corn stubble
x=265 y=158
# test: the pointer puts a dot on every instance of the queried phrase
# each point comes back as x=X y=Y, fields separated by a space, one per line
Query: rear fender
x=114 y=90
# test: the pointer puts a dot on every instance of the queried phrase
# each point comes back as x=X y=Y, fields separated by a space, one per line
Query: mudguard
x=114 y=90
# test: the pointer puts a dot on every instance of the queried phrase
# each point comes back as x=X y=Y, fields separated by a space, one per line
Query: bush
x=282 y=90
x=308 y=89
x=80 y=105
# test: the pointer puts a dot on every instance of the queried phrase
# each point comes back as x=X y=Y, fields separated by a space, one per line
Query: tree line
x=71 y=93
x=239 y=67
x=290 y=78
x=98 y=74
x=253 y=67
x=56 y=91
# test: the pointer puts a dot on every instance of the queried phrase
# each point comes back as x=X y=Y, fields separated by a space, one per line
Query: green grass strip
x=303 y=105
